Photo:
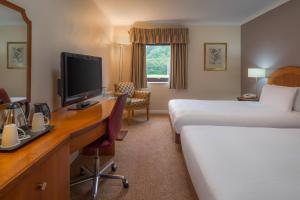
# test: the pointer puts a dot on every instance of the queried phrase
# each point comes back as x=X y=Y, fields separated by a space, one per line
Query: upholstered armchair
x=137 y=99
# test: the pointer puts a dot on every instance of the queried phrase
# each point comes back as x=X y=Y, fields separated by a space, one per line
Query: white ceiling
x=10 y=17
x=203 y=12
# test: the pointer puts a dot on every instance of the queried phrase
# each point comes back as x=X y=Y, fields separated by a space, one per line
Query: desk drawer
x=47 y=180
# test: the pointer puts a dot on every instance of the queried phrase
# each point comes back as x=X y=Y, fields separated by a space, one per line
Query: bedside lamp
x=256 y=73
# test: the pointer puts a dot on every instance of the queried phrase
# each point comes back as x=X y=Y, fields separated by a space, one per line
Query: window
x=158 y=63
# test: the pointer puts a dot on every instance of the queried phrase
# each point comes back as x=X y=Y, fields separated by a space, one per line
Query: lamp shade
x=256 y=72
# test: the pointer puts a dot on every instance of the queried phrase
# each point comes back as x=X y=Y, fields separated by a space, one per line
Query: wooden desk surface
x=68 y=124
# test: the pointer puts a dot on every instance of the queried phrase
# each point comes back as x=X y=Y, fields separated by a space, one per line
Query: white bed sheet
x=229 y=113
x=236 y=163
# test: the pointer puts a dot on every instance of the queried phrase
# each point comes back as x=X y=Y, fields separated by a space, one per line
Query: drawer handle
x=42 y=186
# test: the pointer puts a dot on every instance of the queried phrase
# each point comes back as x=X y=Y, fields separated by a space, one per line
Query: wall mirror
x=15 y=52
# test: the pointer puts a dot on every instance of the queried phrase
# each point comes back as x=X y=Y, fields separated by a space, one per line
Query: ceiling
x=202 y=12
x=10 y=17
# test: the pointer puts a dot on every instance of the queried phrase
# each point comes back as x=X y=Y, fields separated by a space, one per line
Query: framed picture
x=215 y=56
x=16 y=55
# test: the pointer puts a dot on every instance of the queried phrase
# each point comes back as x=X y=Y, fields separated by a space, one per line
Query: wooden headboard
x=286 y=76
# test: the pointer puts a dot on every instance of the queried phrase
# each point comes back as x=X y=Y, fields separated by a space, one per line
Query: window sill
x=158 y=82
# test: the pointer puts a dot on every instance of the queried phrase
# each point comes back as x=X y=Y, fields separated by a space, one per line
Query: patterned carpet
x=150 y=160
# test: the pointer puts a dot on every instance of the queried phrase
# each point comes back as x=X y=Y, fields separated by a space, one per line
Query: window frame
x=158 y=80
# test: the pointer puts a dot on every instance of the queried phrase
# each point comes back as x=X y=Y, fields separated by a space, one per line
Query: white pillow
x=297 y=101
x=278 y=97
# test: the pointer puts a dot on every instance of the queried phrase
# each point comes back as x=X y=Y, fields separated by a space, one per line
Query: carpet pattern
x=150 y=160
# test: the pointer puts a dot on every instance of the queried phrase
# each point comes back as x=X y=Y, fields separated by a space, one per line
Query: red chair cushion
x=4 y=98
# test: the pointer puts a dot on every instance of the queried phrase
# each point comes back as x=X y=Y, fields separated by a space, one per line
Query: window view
x=158 y=62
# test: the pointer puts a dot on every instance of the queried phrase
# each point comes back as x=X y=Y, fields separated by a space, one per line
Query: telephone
x=249 y=96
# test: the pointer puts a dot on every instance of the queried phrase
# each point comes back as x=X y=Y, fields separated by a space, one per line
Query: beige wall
x=121 y=64
x=64 y=25
x=201 y=85
x=13 y=80
x=80 y=27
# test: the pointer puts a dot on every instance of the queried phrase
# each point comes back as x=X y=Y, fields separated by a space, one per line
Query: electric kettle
x=13 y=114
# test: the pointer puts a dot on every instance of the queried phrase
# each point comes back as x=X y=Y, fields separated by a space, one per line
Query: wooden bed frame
x=284 y=76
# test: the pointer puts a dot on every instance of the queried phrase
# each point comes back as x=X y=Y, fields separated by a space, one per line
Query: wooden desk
x=45 y=162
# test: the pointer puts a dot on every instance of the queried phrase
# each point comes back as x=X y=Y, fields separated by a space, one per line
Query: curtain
x=159 y=35
x=139 y=76
x=176 y=37
x=178 y=69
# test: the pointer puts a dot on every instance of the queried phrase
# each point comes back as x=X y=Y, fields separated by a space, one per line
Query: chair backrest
x=115 y=118
x=125 y=88
x=4 y=98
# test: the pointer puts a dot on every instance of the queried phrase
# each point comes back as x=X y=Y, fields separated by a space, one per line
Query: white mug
x=39 y=122
x=10 y=136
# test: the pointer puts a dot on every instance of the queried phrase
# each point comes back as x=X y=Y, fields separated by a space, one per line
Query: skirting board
x=160 y=112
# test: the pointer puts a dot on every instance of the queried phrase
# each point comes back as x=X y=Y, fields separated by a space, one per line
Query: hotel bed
x=229 y=113
x=184 y=112
x=234 y=163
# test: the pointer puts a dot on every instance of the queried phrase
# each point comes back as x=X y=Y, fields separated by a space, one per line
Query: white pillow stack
x=279 y=97
x=297 y=101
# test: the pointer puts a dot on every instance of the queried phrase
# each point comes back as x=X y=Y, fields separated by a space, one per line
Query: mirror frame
x=22 y=11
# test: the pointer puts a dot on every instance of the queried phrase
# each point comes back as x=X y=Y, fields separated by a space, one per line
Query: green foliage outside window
x=157 y=61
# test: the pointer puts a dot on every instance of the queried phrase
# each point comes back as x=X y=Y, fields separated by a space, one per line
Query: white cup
x=39 y=122
x=10 y=136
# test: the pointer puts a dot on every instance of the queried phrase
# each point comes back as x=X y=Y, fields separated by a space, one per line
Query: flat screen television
x=81 y=78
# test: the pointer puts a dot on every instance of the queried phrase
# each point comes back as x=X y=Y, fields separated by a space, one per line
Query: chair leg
x=147 y=109
x=117 y=177
x=84 y=169
x=128 y=116
x=111 y=165
x=99 y=174
x=82 y=180
x=97 y=178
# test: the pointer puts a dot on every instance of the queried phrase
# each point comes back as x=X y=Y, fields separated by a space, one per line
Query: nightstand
x=247 y=99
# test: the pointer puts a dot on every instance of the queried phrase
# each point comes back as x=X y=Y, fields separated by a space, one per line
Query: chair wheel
x=82 y=172
x=125 y=183
x=114 y=167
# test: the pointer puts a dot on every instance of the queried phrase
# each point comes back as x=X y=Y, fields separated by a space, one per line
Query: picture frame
x=215 y=56
x=17 y=55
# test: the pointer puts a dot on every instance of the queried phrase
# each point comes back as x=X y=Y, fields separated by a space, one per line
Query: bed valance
x=159 y=35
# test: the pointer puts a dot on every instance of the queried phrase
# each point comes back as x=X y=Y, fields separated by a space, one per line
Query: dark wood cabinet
x=41 y=170
x=48 y=180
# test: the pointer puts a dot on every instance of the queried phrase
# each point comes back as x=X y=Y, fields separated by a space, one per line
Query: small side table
x=247 y=99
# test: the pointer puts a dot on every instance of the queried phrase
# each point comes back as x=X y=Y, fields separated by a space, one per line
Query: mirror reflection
x=13 y=55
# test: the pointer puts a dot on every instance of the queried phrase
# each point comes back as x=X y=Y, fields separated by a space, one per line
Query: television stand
x=82 y=105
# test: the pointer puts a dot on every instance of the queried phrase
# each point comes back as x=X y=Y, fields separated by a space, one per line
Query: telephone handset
x=249 y=96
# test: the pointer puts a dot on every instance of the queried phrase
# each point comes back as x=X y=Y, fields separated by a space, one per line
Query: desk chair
x=4 y=98
x=114 y=124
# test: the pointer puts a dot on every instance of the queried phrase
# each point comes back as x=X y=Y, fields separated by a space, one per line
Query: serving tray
x=32 y=137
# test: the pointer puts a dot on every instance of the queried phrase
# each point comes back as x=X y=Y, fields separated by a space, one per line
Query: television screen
x=81 y=77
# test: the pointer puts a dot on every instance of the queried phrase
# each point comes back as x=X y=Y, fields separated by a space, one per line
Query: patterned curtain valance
x=159 y=35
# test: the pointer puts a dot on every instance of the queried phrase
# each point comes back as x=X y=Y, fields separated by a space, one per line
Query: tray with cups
x=13 y=138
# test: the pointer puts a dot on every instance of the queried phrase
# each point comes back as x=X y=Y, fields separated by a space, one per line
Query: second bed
x=236 y=163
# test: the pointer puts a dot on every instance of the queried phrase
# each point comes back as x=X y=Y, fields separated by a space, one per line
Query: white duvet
x=229 y=113
x=236 y=163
